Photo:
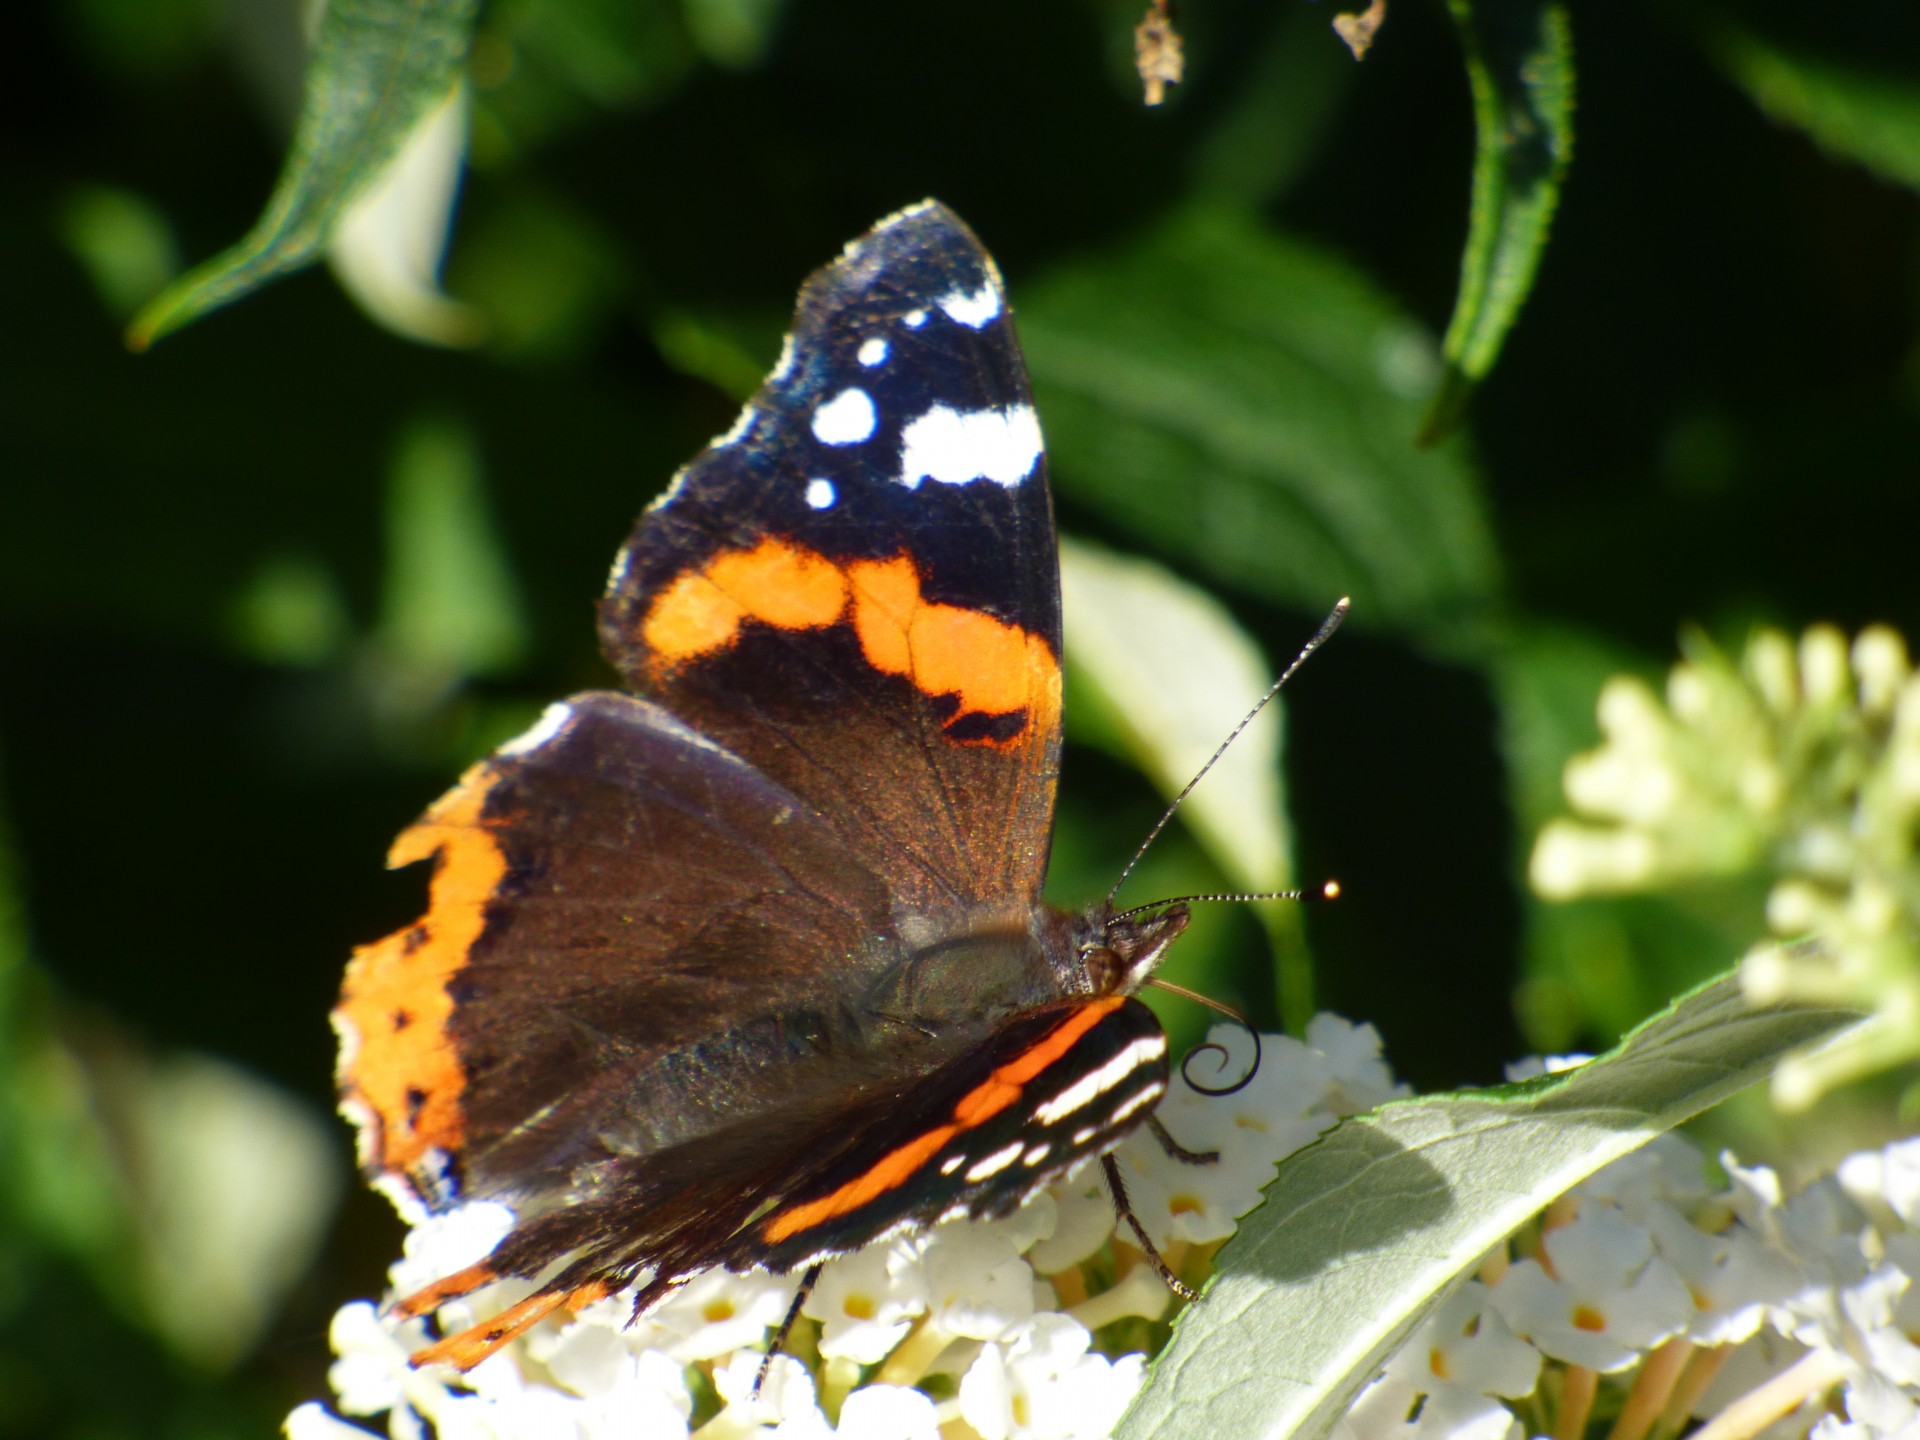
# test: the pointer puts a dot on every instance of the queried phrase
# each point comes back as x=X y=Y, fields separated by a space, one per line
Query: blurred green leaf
x=378 y=66
x=1163 y=672
x=1277 y=122
x=1519 y=56
x=733 y=32
x=544 y=272
x=58 y=1189
x=1361 y=1234
x=1866 y=115
x=292 y=613
x=542 y=69
x=123 y=241
x=451 y=607
x=1244 y=402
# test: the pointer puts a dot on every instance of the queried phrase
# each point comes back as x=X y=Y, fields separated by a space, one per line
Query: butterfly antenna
x=1320 y=636
x=1329 y=891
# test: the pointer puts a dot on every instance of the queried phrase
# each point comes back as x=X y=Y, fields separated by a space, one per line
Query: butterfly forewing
x=857 y=589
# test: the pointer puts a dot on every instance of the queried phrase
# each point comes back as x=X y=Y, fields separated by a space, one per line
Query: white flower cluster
x=1801 y=763
x=1734 y=1305
x=1029 y=1328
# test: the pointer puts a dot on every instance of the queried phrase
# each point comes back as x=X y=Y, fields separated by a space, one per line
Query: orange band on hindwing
x=400 y=1078
x=990 y=667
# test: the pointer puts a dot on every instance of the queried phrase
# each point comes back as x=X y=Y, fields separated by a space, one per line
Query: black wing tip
x=925 y=234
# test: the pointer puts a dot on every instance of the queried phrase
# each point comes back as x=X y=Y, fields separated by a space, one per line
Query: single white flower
x=866 y=1302
x=1043 y=1383
x=887 y=1412
x=1465 y=1343
x=1394 y=1409
x=717 y=1313
x=1607 y=1298
x=978 y=1286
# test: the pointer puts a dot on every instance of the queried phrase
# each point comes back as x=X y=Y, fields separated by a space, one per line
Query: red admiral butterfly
x=749 y=967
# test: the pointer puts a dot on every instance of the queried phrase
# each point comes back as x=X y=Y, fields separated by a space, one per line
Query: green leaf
x=1869 y=116
x=1243 y=401
x=377 y=67
x=1520 y=67
x=452 y=607
x=1161 y=672
x=1361 y=1234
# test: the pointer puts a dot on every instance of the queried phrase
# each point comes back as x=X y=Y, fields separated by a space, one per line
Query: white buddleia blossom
x=1018 y=1329
x=1795 y=765
x=1647 y=1287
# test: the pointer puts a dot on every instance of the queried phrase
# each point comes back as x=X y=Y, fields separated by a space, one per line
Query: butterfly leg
x=1124 y=1211
x=1178 y=1151
x=779 y=1341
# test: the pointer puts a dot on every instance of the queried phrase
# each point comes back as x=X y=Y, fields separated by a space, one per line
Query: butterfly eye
x=1105 y=969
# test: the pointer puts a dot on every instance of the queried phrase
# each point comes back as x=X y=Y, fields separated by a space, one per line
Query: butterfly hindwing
x=609 y=892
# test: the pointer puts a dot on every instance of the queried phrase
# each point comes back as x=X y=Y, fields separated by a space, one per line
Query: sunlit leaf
x=377 y=67
x=1246 y=402
x=1520 y=67
x=388 y=245
x=1362 y=1233
x=1168 y=673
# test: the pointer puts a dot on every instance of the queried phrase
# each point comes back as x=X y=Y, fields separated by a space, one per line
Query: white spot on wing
x=873 y=352
x=1036 y=1155
x=846 y=419
x=820 y=494
x=551 y=722
x=975 y=310
x=1095 y=1083
x=914 y=319
x=955 y=446
x=952 y=1163
x=995 y=1163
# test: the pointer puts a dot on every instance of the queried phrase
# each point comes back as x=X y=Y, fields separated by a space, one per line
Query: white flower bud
x=1880 y=661
x=1770 y=665
x=1823 y=666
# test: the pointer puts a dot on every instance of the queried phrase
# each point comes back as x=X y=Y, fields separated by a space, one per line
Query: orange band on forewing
x=989 y=666
x=399 y=1075
x=998 y=1091
x=993 y=667
x=780 y=584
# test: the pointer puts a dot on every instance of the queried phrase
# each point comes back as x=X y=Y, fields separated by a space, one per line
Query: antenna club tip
x=1330 y=890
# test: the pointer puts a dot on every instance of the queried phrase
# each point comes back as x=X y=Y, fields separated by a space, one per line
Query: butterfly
x=746 y=964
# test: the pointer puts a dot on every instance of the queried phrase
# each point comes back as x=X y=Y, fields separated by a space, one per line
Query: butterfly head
x=1120 y=950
